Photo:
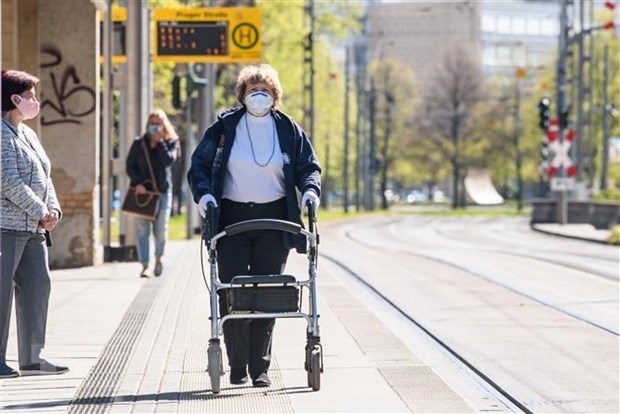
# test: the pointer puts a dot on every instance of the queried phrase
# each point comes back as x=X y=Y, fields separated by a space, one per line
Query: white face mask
x=259 y=103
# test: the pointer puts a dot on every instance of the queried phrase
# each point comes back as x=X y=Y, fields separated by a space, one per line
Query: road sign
x=562 y=183
x=210 y=35
x=119 y=21
x=554 y=128
x=561 y=157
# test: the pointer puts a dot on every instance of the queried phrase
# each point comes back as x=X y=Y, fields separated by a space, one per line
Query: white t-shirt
x=245 y=180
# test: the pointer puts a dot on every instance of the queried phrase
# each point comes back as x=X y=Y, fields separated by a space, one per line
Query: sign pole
x=562 y=213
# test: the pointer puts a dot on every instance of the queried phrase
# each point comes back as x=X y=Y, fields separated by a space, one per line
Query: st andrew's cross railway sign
x=560 y=150
x=209 y=35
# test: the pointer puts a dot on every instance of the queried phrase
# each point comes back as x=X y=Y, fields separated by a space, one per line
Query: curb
x=569 y=236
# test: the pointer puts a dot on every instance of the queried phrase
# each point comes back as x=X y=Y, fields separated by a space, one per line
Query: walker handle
x=208 y=223
x=262 y=224
x=311 y=216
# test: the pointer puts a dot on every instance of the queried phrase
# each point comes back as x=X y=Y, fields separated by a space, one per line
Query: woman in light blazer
x=29 y=210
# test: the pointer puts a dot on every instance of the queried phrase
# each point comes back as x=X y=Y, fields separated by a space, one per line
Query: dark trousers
x=248 y=341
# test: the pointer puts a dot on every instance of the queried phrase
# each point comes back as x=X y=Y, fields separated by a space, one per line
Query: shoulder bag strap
x=148 y=162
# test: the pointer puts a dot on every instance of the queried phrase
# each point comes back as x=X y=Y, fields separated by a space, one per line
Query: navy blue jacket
x=301 y=172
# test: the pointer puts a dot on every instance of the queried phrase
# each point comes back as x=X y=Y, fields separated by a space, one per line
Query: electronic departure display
x=195 y=38
x=208 y=34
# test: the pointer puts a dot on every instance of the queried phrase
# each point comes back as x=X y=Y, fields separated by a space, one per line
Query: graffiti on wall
x=69 y=100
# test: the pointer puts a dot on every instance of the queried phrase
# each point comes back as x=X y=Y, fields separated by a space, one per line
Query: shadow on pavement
x=166 y=396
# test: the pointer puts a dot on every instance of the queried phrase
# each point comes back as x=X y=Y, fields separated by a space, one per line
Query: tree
x=447 y=113
x=394 y=84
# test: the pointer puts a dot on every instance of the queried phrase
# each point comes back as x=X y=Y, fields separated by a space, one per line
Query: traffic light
x=193 y=84
x=544 y=113
x=176 y=92
x=565 y=117
x=543 y=168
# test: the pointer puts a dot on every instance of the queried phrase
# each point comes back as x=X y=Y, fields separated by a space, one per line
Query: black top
x=162 y=157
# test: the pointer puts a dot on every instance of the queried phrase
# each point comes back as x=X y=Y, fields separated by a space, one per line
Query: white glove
x=311 y=196
x=202 y=204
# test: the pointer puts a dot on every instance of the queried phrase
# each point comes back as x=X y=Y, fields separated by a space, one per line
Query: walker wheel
x=314 y=373
x=215 y=365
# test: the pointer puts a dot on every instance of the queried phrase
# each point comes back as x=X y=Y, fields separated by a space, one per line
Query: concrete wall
x=69 y=73
x=602 y=215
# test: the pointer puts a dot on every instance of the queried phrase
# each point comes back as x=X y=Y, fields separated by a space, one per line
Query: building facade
x=419 y=33
x=518 y=34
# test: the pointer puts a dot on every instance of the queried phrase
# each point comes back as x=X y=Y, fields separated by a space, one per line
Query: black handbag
x=144 y=205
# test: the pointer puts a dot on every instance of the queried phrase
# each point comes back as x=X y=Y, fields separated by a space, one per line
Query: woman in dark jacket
x=250 y=163
x=162 y=145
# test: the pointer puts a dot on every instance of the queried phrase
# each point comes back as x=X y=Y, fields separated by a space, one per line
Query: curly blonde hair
x=256 y=74
x=168 y=132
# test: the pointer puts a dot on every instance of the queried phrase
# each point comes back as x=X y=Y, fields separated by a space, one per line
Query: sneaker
x=7 y=372
x=159 y=268
x=43 y=368
x=261 y=381
x=145 y=270
x=238 y=376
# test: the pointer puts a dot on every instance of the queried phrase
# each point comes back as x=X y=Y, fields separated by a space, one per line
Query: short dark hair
x=15 y=82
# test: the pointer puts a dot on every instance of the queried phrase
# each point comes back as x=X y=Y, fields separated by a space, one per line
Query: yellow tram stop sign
x=210 y=35
x=119 y=27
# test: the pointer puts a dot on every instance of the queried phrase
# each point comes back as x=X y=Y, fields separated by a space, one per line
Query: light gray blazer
x=27 y=192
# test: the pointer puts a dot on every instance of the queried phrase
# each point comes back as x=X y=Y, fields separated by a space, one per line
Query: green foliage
x=395 y=96
x=610 y=194
x=614 y=237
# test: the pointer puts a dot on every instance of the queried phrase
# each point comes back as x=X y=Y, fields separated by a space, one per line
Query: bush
x=614 y=237
x=611 y=194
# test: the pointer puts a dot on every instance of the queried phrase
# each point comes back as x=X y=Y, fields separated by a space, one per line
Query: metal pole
x=312 y=71
x=345 y=175
x=308 y=71
x=591 y=134
x=108 y=50
x=372 y=164
x=516 y=141
x=605 y=143
x=561 y=103
x=578 y=144
x=359 y=123
x=136 y=89
x=187 y=152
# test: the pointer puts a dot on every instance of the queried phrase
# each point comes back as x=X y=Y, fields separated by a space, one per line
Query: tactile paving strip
x=416 y=384
x=100 y=386
x=196 y=395
x=423 y=391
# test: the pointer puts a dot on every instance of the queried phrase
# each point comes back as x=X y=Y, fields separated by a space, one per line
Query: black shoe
x=43 y=368
x=261 y=381
x=7 y=372
x=238 y=376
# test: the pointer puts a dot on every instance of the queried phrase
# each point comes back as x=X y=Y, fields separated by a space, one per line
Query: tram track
x=546 y=260
x=488 y=279
x=496 y=389
x=538 y=332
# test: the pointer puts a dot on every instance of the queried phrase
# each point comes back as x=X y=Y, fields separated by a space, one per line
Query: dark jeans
x=248 y=341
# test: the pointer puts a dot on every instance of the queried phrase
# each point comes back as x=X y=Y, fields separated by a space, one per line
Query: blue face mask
x=154 y=129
